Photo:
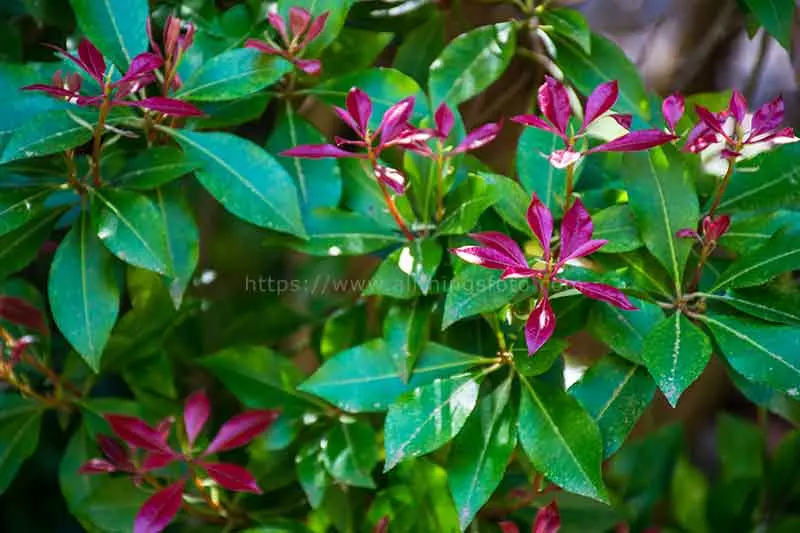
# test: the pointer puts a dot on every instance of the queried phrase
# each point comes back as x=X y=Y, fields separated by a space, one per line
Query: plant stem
x=721 y=189
x=570 y=179
x=440 y=183
x=698 y=271
x=395 y=213
x=98 y=136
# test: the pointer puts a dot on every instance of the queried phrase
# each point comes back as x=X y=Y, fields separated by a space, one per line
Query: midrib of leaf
x=243 y=74
x=750 y=341
x=115 y=26
x=460 y=79
x=236 y=174
x=23 y=201
x=749 y=269
x=85 y=287
x=135 y=173
x=616 y=393
x=751 y=191
x=381 y=377
x=11 y=445
x=170 y=251
x=471 y=297
x=622 y=318
x=646 y=274
x=7 y=413
x=434 y=413
x=727 y=298
x=31 y=229
x=667 y=225
x=676 y=348
x=298 y=167
x=556 y=430
x=131 y=227
x=44 y=140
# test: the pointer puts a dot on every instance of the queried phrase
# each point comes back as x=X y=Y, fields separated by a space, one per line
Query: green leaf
x=419 y=260
x=465 y=205
x=390 y=280
x=570 y=24
x=318 y=180
x=365 y=378
x=772 y=185
x=776 y=16
x=767 y=397
x=617 y=225
x=663 y=200
x=606 y=62
x=116 y=27
x=182 y=236
x=624 y=331
x=353 y=50
x=337 y=13
x=130 y=226
x=676 y=352
x=481 y=452
x=153 y=168
x=19 y=248
x=751 y=230
x=741 y=448
x=546 y=356
x=385 y=87
x=536 y=174
x=405 y=330
x=561 y=439
x=234 y=74
x=311 y=473
x=363 y=196
x=20 y=419
x=778 y=255
x=20 y=206
x=475 y=290
x=616 y=393
x=762 y=353
x=512 y=201
x=84 y=292
x=259 y=377
x=351 y=452
x=47 y=133
x=245 y=179
x=471 y=62
x=420 y=48
x=220 y=115
x=426 y=418
x=761 y=303
x=689 y=495
x=334 y=233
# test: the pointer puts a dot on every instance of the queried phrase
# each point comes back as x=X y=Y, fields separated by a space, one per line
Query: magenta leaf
x=478 y=138
x=299 y=19
x=78 y=61
x=715 y=228
x=232 y=477
x=673 y=107
x=623 y=120
x=240 y=430
x=540 y=325
x=547 y=519
x=277 y=22
x=141 y=66
x=535 y=122
x=554 y=103
x=699 y=138
x=315 y=29
x=444 y=120
x=317 y=151
x=738 y=106
x=713 y=121
x=604 y=293
x=635 y=141
x=195 y=414
x=97 y=466
x=92 y=59
x=502 y=243
x=540 y=220
x=584 y=249
x=154 y=461
x=113 y=450
x=576 y=230
x=263 y=47
x=487 y=257
x=768 y=117
x=168 y=106
x=563 y=158
x=600 y=101
x=395 y=120
x=507 y=526
x=52 y=91
x=522 y=272
x=686 y=233
x=312 y=67
x=359 y=106
x=138 y=434
x=391 y=177
x=382 y=526
x=18 y=311
x=159 y=509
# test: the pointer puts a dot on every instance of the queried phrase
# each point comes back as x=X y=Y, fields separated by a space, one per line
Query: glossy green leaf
x=84 y=292
x=624 y=331
x=153 y=168
x=689 y=494
x=606 y=62
x=561 y=439
x=365 y=378
x=512 y=201
x=131 y=227
x=334 y=233
x=351 y=452
x=182 y=236
x=471 y=62
x=663 y=201
x=760 y=352
x=47 y=133
x=617 y=225
x=773 y=184
x=544 y=359
x=311 y=474
x=363 y=196
x=760 y=303
x=224 y=114
x=234 y=74
x=337 y=13
x=405 y=330
x=390 y=280
x=259 y=377
x=465 y=205
x=570 y=24
x=20 y=206
x=475 y=290
x=676 y=352
x=419 y=260
x=615 y=393
x=536 y=174
x=318 y=180
x=741 y=447
x=20 y=419
x=778 y=255
x=116 y=27
x=749 y=231
x=354 y=49
x=776 y=16
x=420 y=47
x=19 y=247
x=481 y=452
x=245 y=179
x=426 y=418
x=769 y=398
x=385 y=86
